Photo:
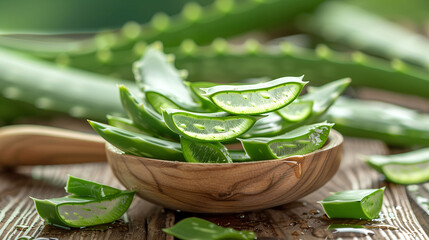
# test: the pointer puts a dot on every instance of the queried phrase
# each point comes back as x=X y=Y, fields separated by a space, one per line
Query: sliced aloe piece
x=126 y=124
x=239 y=156
x=299 y=141
x=296 y=111
x=139 y=144
x=204 y=152
x=79 y=211
x=154 y=73
x=218 y=126
x=158 y=101
x=356 y=204
x=142 y=115
x=196 y=88
x=199 y=229
x=85 y=188
x=256 y=98
x=404 y=168
x=323 y=97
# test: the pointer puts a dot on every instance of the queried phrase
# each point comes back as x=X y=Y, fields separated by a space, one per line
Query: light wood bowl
x=227 y=188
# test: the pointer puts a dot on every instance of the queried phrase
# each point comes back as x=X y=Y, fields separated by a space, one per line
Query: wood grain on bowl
x=222 y=188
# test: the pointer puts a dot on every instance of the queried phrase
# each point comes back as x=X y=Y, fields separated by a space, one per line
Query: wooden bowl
x=227 y=188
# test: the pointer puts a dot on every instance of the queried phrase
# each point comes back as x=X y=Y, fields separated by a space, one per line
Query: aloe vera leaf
x=196 y=88
x=323 y=97
x=299 y=141
x=239 y=156
x=199 y=229
x=204 y=152
x=78 y=211
x=210 y=127
x=142 y=115
x=405 y=168
x=319 y=66
x=256 y=98
x=347 y=24
x=77 y=93
x=154 y=73
x=126 y=124
x=390 y=123
x=202 y=24
x=139 y=144
x=158 y=102
x=296 y=111
x=85 y=188
x=355 y=204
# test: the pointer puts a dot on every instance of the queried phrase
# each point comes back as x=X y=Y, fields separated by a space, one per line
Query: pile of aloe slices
x=171 y=119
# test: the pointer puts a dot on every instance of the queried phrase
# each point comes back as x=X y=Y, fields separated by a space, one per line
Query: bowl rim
x=330 y=144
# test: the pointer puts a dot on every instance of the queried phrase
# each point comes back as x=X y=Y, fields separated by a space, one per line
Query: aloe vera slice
x=299 y=141
x=127 y=124
x=142 y=115
x=356 y=204
x=256 y=98
x=158 y=101
x=139 y=144
x=79 y=211
x=85 y=188
x=218 y=126
x=199 y=229
x=196 y=88
x=239 y=156
x=204 y=152
x=404 y=168
x=296 y=111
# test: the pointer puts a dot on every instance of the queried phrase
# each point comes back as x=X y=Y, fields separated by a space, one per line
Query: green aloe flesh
x=126 y=124
x=199 y=229
x=355 y=204
x=139 y=144
x=142 y=115
x=196 y=88
x=404 y=168
x=207 y=126
x=256 y=98
x=296 y=111
x=154 y=73
x=79 y=211
x=239 y=156
x=299 y=141
x=82 y=187
x=205 y=152
x=158 y=102
x=322 y=97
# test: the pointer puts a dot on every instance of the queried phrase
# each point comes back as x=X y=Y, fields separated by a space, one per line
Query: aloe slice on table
x=204 y=152
x=199 y=229
x=85 y=188
x=296 y=111
x=404 y=168
x=256 y=98
x=218 y=126
x=299 y=141
x=356 y=204
x=139 y=144
x=80 y=211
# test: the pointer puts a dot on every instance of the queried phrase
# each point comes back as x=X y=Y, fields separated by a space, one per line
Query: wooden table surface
x=400 y=218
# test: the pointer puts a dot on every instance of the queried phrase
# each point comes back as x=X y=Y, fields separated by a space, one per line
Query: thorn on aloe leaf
x=224 y=6
x=160 y=22
x=139 y=48
x=131 y=30
x=192 y=11
x=188 y=46
x=286 y=47
x=398 y=65
x=220 y=45
x=323 y=52
x=252 y=46
x=359 y=57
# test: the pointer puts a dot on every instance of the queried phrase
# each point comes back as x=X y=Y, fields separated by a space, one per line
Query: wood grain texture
x=37 y=145
x=222 y=188
x=296 y=220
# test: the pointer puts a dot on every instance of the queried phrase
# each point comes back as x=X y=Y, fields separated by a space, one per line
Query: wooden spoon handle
x=39 y=145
